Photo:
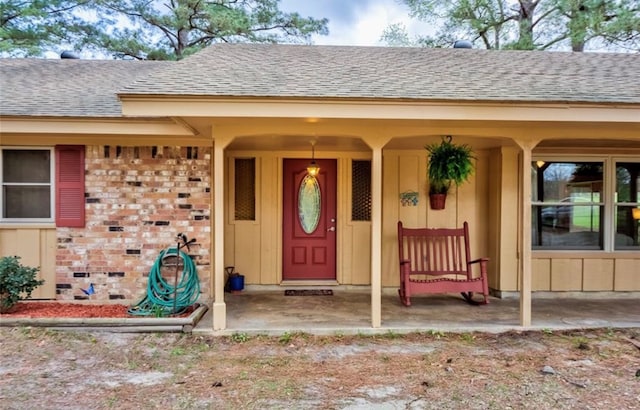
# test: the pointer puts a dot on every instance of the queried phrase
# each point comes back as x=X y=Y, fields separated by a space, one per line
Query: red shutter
x=70 y=186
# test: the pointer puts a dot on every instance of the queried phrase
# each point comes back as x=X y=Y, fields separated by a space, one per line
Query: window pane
x=573 y=217
x=27 y=202
x=567 y=227
x=627 y=228
x=568 y=181
x=24 y=166
x=628 y=181
x=627 y=204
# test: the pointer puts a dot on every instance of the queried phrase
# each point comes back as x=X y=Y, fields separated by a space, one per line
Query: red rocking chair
x=436 y=260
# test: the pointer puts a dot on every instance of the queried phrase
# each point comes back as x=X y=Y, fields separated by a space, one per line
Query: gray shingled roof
x=67 y=88
x=258 y=70
x=89 y=88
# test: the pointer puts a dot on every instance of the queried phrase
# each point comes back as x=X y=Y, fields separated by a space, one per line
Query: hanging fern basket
x=449 y=164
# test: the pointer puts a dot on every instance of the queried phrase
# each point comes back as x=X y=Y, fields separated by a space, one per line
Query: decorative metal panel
x=309 y=204
x=245 y=189
x=361 y=191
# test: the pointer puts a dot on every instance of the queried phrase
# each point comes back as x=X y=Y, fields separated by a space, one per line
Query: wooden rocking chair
x=436 y=260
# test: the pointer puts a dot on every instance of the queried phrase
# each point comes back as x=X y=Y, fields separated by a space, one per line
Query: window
x=574 y=208
x=27 y=182
x=38 y=187
x=627 y=205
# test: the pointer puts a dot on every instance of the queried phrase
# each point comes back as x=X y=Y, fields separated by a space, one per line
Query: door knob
x=331 y=229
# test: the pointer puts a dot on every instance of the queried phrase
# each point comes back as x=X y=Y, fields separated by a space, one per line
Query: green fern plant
x=448 y=164
x=16 y=282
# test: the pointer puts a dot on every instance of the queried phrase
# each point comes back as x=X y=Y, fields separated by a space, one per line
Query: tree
x=174 y=29
x=526 y=24
x=27 y=28
x=489 y=22
x=611 y=23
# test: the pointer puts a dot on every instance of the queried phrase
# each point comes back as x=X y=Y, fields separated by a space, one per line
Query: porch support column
x=376 y=144
x=524 y=247
x=217 y=232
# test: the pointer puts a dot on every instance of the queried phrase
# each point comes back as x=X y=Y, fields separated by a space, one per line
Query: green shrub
x=16 y=282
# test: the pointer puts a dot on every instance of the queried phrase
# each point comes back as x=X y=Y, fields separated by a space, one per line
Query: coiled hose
x=163 y=298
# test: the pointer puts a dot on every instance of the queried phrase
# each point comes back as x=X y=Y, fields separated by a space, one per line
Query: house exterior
x=104 y=162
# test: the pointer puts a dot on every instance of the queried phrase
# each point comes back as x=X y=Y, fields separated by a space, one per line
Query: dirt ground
x=587 y=369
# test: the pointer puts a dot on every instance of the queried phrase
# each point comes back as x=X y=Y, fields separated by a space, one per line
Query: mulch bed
x=73 y=310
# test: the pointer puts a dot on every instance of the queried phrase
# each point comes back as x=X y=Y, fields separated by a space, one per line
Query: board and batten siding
x=254 y=247
x=406 y=171
x=36 y=247
x=586 y=273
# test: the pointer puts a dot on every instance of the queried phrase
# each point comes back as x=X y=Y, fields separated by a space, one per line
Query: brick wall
x=137 y=200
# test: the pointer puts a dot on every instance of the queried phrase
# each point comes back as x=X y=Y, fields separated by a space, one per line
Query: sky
x=355 y=22
x=351 y=22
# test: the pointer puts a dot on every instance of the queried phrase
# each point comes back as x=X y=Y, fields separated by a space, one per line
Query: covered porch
x=273 y=121
x=266 y=310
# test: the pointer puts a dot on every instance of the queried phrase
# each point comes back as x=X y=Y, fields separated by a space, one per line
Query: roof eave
x=135 y=105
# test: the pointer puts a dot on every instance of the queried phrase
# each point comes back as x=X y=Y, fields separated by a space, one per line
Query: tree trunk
x=525 y=23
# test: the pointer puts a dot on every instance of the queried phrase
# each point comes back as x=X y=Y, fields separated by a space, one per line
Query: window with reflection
x=567 y=204
x=27 y=183
x=627 y=205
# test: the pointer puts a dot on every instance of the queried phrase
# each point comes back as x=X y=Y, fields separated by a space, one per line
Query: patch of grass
x=271 y=362
x=277 y=388
x=240 y=337
x=289 y=337
x=436 y=334
x=177 y=351
x=185 y=402
x=130 y=363
x=391 y=335
x=112 y=402
x=581 y=342
x=467 y=337
x=157 y=311
x=285 y=338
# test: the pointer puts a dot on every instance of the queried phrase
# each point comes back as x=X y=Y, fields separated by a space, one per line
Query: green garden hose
x=163 y=298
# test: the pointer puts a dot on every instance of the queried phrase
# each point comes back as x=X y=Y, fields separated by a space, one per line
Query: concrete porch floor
x=349 y=312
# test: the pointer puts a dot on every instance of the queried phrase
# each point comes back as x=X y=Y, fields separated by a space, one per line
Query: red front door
x=309 y=221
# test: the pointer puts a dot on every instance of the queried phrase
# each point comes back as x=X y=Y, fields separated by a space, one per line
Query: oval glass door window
x=309 y=204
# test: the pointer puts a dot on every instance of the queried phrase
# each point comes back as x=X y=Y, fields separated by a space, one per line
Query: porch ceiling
x=334 y=134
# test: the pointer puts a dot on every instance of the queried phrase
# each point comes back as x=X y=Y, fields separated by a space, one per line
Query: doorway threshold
x=294 y=283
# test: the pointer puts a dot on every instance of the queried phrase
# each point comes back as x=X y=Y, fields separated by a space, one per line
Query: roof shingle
x=67 y=87
x=89 y=88
x=259 y=70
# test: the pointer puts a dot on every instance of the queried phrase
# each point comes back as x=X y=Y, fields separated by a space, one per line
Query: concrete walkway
x=349 y=312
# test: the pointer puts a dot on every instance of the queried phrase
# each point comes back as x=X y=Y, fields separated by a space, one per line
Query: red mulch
x=74 y=310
